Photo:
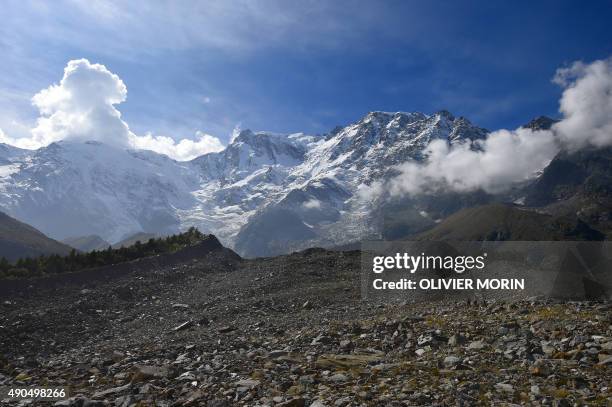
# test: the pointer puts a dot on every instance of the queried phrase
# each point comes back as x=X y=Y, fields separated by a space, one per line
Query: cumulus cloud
x=586 y=104
x=507 y=157
x=503 y=158
x=82 y=106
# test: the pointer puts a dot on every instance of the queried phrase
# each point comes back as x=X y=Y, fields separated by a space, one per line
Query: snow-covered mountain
x=264 y=194
x=321 y=203
x=73 y=189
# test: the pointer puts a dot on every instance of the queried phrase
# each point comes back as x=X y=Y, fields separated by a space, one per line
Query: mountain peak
x=540 y=123
x=445 y=114
x=378 y=114
x=382 y=115
x=243 y=136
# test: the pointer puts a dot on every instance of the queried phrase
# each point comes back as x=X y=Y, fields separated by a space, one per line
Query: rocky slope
x=579 y=184
x=214 y=330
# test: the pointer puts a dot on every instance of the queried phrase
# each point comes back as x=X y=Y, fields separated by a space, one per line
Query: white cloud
x=506 y=157
x=235 y=132
x=369 y=193
x=586 y=104
x=312 y=204
x=82 y=107
x=239 y=26
x=182 y=150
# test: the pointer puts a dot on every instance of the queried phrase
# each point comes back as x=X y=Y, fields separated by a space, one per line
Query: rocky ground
x=293 y=331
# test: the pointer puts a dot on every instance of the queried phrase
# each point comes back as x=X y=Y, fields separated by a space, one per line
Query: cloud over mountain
x=82 y=106
x=586 y=104
x=184 y=149
x=506 y=157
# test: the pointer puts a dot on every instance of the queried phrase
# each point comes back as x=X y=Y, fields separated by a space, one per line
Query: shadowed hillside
x=578 y=183
x=20 y=240
x=506 y=222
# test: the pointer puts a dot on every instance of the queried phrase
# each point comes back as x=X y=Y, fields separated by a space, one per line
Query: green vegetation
x=75 y=261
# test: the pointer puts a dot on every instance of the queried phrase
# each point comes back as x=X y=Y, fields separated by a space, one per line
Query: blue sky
x=289 y=66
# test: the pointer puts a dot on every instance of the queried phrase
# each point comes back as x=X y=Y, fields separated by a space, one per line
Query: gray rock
x=477 y=345
x=186 y=377
x=562 y=403
x=346 y=344
x=424 y=339
x=298 y=402
x=306 y=380
x=65 y=403
x=95 y=403
x=180 y=306
x=277 y=353
x=226 y=329
x=547 y=348
x=504 y=387
x=342 y=401
x=123 y=401
x=321 y=339
x=117 y=356
x=147 y=389
x=606 y=361
x=108 y=392
x=451 y=361
x=249 y=383
x=456 y=340
x=183 y=326
x=338 y=377
x=144 y=373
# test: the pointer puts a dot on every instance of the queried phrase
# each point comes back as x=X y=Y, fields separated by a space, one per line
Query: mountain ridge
x=18 y=240
x=507 y=222
x=264 y=194
x=86 y=243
